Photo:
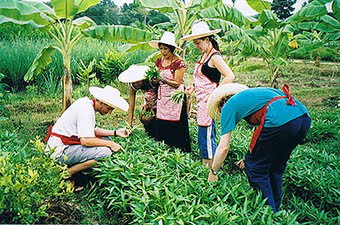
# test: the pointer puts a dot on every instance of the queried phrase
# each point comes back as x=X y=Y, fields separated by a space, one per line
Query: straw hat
x=199 y=30
x=219 y=93
x=167 y=38
x=110 y=96
x=133 y=73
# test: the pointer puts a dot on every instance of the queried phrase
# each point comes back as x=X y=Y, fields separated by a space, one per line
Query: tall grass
x=17 y=54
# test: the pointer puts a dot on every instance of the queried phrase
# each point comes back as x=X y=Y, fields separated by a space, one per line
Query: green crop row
x=149 y=183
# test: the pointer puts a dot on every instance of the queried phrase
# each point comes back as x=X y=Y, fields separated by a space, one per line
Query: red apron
x=260 y=116
x=73 y=140
x=203 y=89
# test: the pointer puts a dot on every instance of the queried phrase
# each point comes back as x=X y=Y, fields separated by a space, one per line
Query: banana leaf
x=40 y=62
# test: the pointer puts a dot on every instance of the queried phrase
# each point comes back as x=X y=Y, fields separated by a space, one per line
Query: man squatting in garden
x=76 y=141
x=283 y=123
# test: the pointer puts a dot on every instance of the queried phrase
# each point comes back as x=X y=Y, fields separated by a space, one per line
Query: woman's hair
x=213 y=42
x=222 y=102
x=172 y=48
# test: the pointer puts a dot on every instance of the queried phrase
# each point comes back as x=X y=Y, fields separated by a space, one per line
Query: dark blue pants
x=268 y=160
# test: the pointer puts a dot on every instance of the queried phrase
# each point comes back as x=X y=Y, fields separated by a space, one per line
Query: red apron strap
x=261 y=114
x=73 y=140
x=286 y=90
x=49 y=132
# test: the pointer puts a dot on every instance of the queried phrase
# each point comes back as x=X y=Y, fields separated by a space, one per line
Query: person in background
x=76 y=141
x=207 y=76
x=283 y=122
x=135 y=76
x=172 y=119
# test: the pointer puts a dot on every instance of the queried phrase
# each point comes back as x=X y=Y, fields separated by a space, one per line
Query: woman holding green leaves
x=172 y=119
x=136 y=77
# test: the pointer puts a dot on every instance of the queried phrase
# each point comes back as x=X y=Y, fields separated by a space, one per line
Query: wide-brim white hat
x=133 y=74
x=219 y=93
x=199 y=30
x=167 y=38
x=110 y=96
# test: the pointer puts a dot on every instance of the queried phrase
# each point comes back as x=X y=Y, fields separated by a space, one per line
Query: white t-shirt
x=78 y=120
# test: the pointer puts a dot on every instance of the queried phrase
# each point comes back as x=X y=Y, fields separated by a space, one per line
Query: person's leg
x=276 y=185
x=207 y=143
x=79 y=157
x=80 y=167
x=257 y=170
x=292 y=133
x=273 y=148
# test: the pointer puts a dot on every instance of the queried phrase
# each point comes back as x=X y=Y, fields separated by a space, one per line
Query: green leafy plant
x=177 y=96
x=85 y=73
x=149 y=183
x=153 y=73
x=146 y=115
x=27 y=179
x=112 y=65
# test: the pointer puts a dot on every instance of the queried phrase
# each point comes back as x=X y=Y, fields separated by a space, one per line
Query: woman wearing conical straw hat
x=283 y=122
x=137 y=79
x=172 y=120
x=208 y=73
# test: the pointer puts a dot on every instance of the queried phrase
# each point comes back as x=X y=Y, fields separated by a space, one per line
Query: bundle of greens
x=177 y=96
x=152 y=73
x=146 y=116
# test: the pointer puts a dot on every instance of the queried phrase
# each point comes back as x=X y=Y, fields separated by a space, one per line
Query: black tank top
x=212 y=74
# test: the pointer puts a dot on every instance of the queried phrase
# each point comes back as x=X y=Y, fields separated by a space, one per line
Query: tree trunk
x=274 y=83
x=317 y=62
x=67 y=89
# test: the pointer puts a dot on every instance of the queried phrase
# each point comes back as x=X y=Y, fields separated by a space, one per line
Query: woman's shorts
x=207 y=141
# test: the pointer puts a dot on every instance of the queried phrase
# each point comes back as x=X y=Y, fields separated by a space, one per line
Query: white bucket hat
x=199 y=30
x=219 y=93
x=110 y=96
x=133 y=73
x=167 y=38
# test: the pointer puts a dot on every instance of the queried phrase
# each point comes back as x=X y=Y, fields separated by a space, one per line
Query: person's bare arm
x=122 y=132
x=132 y=102
x=220 y=155
x=93 y=141
x=219 y=63
x=177 y=79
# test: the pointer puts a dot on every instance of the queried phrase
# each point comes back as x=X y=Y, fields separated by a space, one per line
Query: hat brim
x=114 y=100
x=195 y=36
x=154 y=44
x=133 y=74
x=218 y=94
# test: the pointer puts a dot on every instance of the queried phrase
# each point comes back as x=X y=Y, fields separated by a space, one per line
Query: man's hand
x=115 y=147
x=212 y=177
x=240 y=164
x=122 y=132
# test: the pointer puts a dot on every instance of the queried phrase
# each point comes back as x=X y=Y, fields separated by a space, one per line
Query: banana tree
x=320 y=33
x=184 y=13
x=271 y=37
x=60 y=23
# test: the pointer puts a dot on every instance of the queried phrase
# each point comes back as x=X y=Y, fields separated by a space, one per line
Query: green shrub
x=28 y=178
x=111 y=66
